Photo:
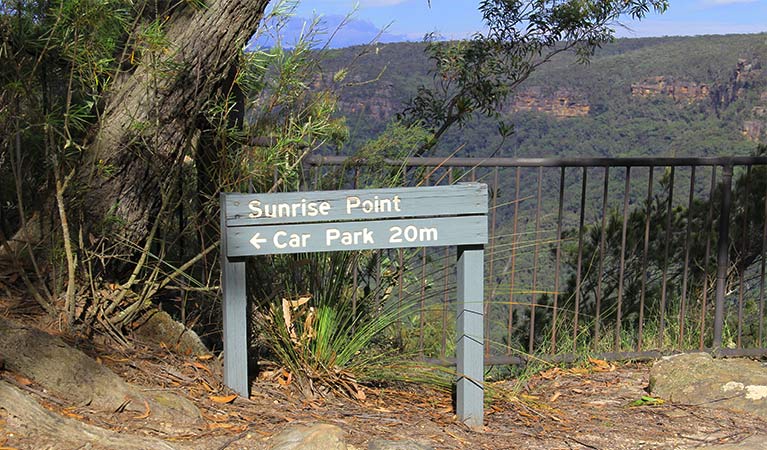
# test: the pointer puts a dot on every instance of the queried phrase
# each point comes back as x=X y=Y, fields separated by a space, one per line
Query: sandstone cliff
x=562 y=103
x=680 y=90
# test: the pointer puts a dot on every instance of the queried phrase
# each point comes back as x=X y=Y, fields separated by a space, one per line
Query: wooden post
x=470 y=331
x=235 y=315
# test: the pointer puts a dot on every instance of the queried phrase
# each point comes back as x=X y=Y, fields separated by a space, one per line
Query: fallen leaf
x=285 y=379
x=223 y=398
x=199 y=365
x=68 y=412
x=221 y=425
x=646 y=400
x=551 y=373
x=24 y=381
x=205 y=357
x=147 y=411
x=579 y=371
x=554 y=397
x=602 y=365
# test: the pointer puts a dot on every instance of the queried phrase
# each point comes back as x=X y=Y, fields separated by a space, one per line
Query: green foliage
x=479 y=74
x=331 y=336
x=618 y=123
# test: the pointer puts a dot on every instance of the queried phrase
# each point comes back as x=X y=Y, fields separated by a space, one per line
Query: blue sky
x=412 y=19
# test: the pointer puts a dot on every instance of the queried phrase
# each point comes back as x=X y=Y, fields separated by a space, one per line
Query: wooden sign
x=326 y=221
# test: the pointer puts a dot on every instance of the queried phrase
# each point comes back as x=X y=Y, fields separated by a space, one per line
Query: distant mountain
x=703 y=95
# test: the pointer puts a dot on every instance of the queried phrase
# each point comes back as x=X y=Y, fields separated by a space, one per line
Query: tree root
x=68 y=431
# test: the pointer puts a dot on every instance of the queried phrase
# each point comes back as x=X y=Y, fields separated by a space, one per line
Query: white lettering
x=331 y=234
x=412 y=233
x=255 y=206
x=302 y=208
x=374 y=205
x=346 y=238
x=294 y=240
x=351 y=203
x=277 y=237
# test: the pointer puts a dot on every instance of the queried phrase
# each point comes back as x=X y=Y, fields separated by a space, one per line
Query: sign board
x=325 y=221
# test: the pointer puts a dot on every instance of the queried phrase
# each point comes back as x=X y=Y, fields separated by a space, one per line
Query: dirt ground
x=579 y=408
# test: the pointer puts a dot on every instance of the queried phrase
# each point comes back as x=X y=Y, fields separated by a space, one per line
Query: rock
x=63 y=432
x=71 y=375
x=382 y=444
x=752 y=443
x=699 y=379
x=158 y=327
x=310 y=437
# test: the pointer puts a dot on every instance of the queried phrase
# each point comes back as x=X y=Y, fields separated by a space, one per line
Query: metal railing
x=621 y=257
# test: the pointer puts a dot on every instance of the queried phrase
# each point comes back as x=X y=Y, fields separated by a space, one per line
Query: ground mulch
x=583 y=407
x=586 y=407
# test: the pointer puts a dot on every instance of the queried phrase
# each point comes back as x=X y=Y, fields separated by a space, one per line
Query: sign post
x=325 y=221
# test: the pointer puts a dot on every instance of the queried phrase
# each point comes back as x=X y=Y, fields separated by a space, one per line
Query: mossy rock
x=698 y=379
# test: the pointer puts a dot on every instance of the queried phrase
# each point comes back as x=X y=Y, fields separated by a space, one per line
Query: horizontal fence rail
x=626 y=258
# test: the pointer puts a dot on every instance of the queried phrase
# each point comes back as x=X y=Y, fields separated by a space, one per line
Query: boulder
x=310 y=437
x=158 y=327
x=752 y=443
x=75 y=377
x=699 y=379
x=382 y=444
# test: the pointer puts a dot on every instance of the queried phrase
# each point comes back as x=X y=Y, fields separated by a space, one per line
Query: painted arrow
x=257 y=240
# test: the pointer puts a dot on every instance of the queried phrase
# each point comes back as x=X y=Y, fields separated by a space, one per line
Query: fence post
x=470 y=327
x=235 y=307
x=722 y=255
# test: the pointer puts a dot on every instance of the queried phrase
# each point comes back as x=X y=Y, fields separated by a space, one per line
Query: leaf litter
x=591 y=406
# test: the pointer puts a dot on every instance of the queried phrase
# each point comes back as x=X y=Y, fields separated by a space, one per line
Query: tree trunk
x=151 y=114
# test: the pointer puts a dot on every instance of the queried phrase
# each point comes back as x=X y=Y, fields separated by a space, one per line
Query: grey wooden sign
x=322 y=221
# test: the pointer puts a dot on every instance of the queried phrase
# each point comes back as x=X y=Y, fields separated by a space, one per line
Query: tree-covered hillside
x=691 y=96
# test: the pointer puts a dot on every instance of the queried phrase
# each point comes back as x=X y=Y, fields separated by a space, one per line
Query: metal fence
x=619 y=257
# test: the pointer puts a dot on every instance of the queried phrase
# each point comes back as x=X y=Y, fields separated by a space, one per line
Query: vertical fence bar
x=580 y=260
x=317 y=174
x=400 y=279
x=664 y=282
x=602 y=235
x=401 y=271
x=741 y=272
x=619 y=305
x=446 y=294
x=645 y=254
x=491 y=244
x=534 y=296
x=558 y=262
x=761 y=274
x=707 y=228
x=422 y=313
x=510 y=323
x=469 y=328
x=275 y=179
x=722 y=254
x=682 y=305
x=355 y=268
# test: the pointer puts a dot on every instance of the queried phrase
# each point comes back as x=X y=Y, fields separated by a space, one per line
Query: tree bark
x=151 y=114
